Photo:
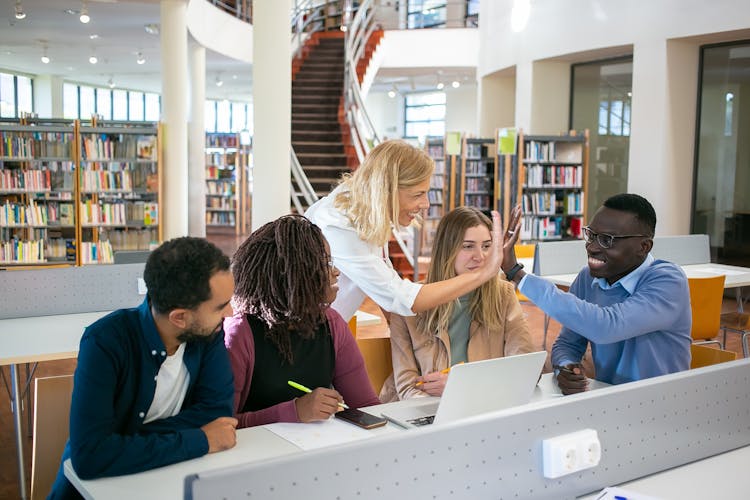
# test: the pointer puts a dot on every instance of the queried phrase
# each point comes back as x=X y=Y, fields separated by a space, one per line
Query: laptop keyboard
x=422 y=420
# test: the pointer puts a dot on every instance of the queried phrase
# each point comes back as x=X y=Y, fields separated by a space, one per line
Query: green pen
x=307 y=390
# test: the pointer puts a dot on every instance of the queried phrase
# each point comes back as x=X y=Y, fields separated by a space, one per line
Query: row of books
x=131 y=239
x=435 y=151
x=437 y=182
x=221 y=159
x=221 y=141
x=549 y=228
x=435 y=197
x=220 y=218
x=119 y=213
x=478 y=184
x=561 y=152
x=33 y=214
x=60 y=249
x=220 y=188
x=20 y=251
x=36 y=144
x=220 y=203
x=104 y=180
x=475 y=150
x=552 y=203
x=214 y=172
x=99 y=252
x=554 y=176
x=478 y=167
x=480 y=201
x=117 y=146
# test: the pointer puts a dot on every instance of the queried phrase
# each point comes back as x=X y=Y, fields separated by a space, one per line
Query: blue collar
x=629 y=281
x=148 y=327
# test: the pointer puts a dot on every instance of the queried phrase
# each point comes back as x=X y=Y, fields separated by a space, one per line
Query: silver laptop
x=476 y=388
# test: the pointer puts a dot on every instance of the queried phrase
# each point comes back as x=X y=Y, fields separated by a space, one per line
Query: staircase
x=317 y=86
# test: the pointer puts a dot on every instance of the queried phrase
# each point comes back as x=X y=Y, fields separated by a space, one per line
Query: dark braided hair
x=281 y=276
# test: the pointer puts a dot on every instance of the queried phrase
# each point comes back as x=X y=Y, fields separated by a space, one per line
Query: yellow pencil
x=444 y=370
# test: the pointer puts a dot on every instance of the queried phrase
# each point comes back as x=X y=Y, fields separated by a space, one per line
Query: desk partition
x=644 y=427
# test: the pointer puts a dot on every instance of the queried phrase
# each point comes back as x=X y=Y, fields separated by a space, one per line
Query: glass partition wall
x=721 y=189
x=600 y=95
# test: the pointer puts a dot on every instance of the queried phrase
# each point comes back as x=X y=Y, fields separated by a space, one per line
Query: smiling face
x=626 y=254
x=411 y=201
x=473 y=250
x=206 y=320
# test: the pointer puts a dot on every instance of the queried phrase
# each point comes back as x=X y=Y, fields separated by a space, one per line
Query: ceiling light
x=440 y=86
x=455 y=84
x=111 y=83
x=45 y=57
x=140 y=59
x=391 y=93
x=219 y=81
x=93 y=36
x=84 y=17
x=20 y=14
x=93 y=59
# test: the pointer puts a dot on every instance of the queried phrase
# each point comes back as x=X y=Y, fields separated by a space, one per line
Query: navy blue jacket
x=115 y=379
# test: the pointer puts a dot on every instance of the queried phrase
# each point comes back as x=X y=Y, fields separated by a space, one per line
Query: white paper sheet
x=319 y=434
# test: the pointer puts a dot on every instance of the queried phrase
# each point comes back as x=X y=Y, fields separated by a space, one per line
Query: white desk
x=49 y=338
x=253 y=444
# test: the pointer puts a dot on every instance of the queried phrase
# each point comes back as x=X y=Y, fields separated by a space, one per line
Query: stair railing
x=363 y=134
x=304 y=189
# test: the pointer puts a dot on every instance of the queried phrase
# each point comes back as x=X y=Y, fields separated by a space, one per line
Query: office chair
x=737 y=322
x=706 y=296
x=704 y=356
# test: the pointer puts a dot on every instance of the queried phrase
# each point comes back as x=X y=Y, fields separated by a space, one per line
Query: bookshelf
x=476 y=179
x=37 y=194
x=228 y=183
x=119 y=189
x=550 y=181
x=437 y=195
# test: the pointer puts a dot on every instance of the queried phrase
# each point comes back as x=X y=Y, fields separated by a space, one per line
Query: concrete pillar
x=550 y=97
x=175 y=105
x=48 y=96
x=665 y=76
x=197 y=141
x=272 y=111
x=496 y=102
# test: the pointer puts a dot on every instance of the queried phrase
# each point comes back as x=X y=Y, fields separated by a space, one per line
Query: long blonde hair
x=485 y=303
x=370 y=195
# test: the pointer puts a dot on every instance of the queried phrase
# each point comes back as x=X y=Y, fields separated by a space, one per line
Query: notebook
x=476 y=388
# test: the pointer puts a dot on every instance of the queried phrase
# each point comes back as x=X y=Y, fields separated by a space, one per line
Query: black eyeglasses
x=605 y=240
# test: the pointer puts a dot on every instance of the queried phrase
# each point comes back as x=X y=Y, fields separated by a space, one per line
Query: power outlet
x=570 y=453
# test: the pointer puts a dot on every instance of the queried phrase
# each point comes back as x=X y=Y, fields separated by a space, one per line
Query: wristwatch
x=513 y=271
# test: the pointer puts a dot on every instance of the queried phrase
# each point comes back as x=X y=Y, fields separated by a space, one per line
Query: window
x=426 y=14
x=424 y=115
x=119 y=105
x=135 y=106
x=104 y=103
x=239 y=116
x=225 y=116
x=23 y=91
x=210 y=116
x=600 y=102
x=87 y=102
x=153 y=107
x=7 y=96
x=70 y=101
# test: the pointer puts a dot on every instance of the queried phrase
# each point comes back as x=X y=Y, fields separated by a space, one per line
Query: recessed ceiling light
x=20 y=14
x=84 y=17
x=151 y=28
x=93 y=59
x=111 y=83
x=140 y=59
x=455 y=84
x=93 y=36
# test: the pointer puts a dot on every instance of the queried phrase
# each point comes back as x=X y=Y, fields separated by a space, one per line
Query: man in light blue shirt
x=632 y=308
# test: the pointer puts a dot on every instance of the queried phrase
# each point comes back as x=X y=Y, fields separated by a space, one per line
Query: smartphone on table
x=360 y=418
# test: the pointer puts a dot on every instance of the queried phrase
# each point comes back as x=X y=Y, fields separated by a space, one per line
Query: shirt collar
x=629 y=281
x=148 y=327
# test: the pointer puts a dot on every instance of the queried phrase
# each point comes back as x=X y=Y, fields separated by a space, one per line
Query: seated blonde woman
x=485 y=323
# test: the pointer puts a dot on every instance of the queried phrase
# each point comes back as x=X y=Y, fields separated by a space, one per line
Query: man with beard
x=153 y=385
x=633 y=309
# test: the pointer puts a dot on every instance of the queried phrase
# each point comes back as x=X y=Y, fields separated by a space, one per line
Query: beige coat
x=415 y=354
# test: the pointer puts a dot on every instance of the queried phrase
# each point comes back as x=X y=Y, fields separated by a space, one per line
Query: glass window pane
x=119 y=105
x=600 y=94
x=210 y=116
x=239 y=119
x=104 y=103
x=437 y=129
x=70 y=100
x=222 y=116
x=721 y=205
x=427 y=98
x=7 y=96
x=153 y=109
x=135 y=106
x=24 y=95
x=87 y=102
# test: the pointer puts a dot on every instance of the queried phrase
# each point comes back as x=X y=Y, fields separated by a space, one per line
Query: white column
x=524 y=86
x=272 y=98
x=550 y=97
x=496 y=103
x=197 y=141
x=48 y=92
x=174 y=101
x=660 y=166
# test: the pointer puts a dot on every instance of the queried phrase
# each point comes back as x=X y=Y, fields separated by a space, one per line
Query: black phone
x=360 y=418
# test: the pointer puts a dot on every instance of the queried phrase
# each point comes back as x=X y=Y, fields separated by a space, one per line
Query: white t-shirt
x=171 y=387
x=365 y=268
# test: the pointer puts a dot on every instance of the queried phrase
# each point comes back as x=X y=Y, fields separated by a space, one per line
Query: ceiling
x=116 y=35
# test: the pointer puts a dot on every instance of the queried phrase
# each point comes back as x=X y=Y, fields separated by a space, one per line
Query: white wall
x=461 y=109
x=664 y=37
x=386 y=114
x=437 y=48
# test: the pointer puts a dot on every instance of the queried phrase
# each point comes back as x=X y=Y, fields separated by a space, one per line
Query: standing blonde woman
x=388 y=189
x=485 y=323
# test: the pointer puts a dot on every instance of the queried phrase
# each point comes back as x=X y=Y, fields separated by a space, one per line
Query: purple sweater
x=349 y=377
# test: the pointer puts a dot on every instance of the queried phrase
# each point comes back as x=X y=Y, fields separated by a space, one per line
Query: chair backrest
x=353 y=325
x=702 y=355
x=525 y=250
x=559 y=257
x=51 y=418
x=706 y=295
x=683 y=250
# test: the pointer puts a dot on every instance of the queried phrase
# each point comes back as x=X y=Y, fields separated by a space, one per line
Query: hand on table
x=221 y=434
x=320 y=404
x=572 y=379
x=433 y=383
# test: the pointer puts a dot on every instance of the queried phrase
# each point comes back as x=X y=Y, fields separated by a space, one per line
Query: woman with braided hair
x=283 y=329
